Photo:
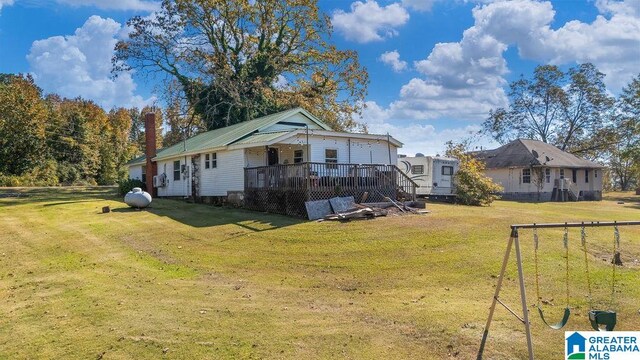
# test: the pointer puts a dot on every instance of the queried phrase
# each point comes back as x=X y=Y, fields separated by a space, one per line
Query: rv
x=434 y=174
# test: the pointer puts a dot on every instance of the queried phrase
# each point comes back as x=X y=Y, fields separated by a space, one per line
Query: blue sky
x=436 y=66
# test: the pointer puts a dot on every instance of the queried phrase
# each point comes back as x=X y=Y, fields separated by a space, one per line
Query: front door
x=272 y=157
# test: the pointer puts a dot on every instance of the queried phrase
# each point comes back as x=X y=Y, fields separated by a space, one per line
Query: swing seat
x=606 y=318
x=558 y=325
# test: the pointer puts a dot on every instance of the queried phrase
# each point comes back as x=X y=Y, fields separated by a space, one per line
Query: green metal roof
x=140 y=160
x=235 y=133
x=264 y=137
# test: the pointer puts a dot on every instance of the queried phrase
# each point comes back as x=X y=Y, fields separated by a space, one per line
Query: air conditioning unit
x=160 y=180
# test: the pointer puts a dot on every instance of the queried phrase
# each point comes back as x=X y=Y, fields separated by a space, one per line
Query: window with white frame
x=595 y=173
x=331 y=158
x=176 y=170
x=561 y=173
x=586 y=175
x=211 y=161
x=417 y=169
x=526 y=176
x=298 y=156
x=547 y=175
x=144 y=174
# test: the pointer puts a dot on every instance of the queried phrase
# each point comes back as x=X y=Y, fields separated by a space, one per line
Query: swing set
x=600 y=320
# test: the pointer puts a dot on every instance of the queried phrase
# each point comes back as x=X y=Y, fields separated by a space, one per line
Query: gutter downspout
x=389 y=147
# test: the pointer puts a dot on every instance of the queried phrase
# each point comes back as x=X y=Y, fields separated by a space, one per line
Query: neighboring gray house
x=532 y=170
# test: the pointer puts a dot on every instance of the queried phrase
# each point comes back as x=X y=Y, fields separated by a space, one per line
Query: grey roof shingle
x=526 y=153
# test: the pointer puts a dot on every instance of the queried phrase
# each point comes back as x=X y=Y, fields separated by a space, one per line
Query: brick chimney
x=150 y=146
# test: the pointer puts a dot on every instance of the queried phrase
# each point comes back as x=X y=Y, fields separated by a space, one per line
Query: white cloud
x=611 y=41
x=392 y=58
x=368 y=21
x=138 y=5
x=424 y=138
x=80 y=65
x=418 y=5
x=628 y=7
x=465 y=79
x=5 y=3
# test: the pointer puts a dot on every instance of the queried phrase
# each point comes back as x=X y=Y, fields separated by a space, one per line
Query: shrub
x=472 y=186
x=124 y=186
x=43 y=175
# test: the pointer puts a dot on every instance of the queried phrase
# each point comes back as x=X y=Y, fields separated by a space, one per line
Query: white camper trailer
x=434 y=174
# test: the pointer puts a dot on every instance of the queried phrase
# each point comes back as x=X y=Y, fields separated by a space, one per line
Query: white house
x=532 y=170
x=253 y=154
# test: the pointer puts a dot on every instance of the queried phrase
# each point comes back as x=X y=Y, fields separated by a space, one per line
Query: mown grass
x=192 y=281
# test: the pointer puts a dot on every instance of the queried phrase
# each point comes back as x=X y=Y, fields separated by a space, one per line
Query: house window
x=297 y=156
x=547 y=175
x=574 y=175
x=176 y=170
x=214 y=160
x=586 y=175
x=144 y=174
x=526 y=176
x=331 y=158
x=447 y=170
x=595 y=173
x=417 y=169
x=561 y=173
x=206 y=161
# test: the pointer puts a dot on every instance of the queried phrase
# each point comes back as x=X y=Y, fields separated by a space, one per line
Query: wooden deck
x=284 y=189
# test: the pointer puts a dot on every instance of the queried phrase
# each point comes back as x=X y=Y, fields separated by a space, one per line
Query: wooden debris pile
x=346 y=209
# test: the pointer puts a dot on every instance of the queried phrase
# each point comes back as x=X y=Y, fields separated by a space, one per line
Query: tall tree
x=23 y=116
x=116 y=149
x=136 y=133
x=569 y=110
x=236 y=60
x=182 y=122
x=624 y=161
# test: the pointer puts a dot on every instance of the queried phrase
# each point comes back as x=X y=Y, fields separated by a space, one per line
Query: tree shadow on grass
x=196 y=215
x=201 y=215
x=56 y=195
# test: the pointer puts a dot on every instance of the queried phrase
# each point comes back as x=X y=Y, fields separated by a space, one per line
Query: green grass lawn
x=187 y=281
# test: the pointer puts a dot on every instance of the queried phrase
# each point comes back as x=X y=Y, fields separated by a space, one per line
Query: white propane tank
x=137 y=198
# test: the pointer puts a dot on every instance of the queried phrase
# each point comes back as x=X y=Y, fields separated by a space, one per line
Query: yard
x=193 y=281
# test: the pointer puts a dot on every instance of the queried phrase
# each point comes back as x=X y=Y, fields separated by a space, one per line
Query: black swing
x=602 y=320
x=567 y=312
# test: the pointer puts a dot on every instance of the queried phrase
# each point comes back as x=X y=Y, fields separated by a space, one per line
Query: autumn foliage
x=472 y=186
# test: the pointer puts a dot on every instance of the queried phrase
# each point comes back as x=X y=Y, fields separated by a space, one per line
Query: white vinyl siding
x=135 y=172
x=228 y=175
x=180 y=187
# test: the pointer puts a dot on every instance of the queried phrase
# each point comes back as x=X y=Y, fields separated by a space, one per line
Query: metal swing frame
x=515 y=242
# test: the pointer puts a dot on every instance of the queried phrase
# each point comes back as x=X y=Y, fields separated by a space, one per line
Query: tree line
x=573 y=110
x=50 y=140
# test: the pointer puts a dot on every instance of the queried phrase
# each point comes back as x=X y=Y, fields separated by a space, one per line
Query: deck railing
x=297 y=183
